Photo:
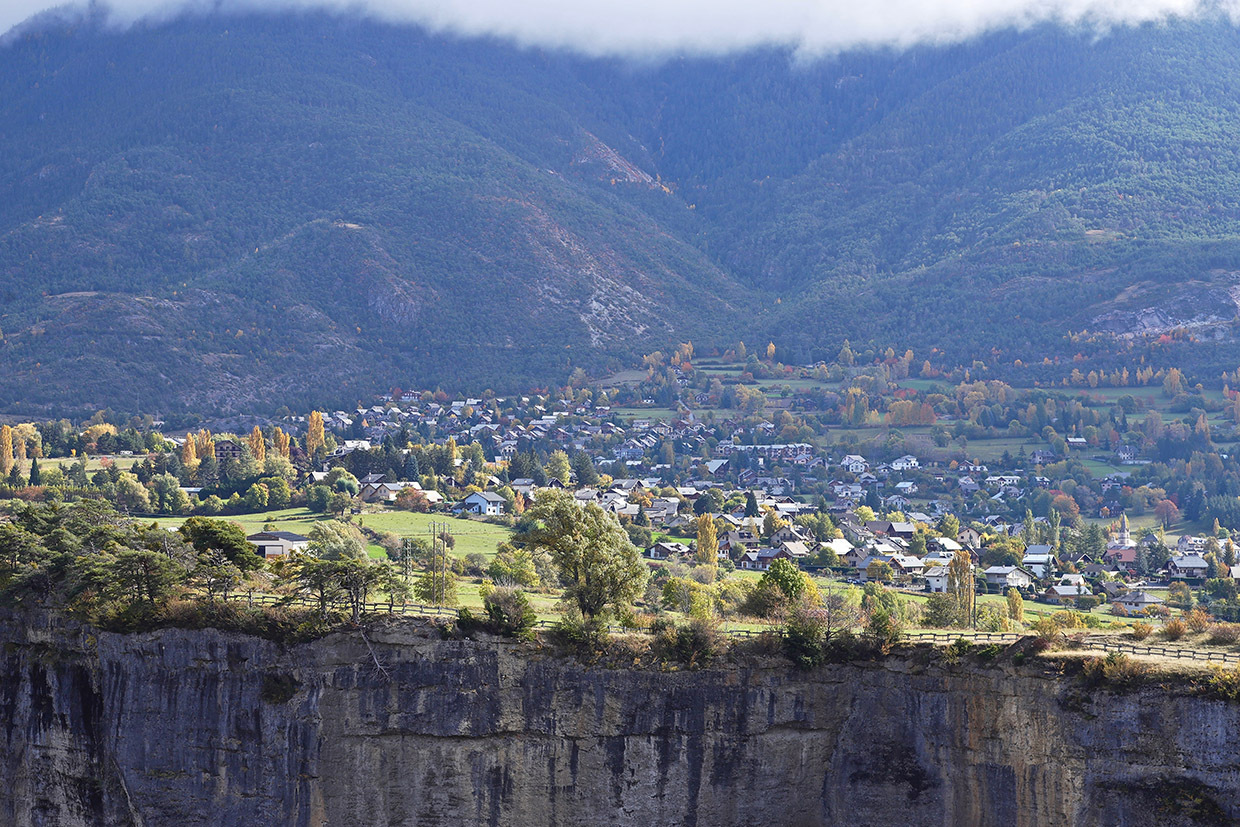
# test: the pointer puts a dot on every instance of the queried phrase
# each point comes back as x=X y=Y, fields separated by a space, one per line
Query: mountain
x=223 y=213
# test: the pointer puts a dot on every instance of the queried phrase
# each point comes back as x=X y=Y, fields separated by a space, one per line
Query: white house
x=278 y=543
x=1008 y=577
x=905 y=463
x=854 y=464
x=484 y=502
x=936 y=579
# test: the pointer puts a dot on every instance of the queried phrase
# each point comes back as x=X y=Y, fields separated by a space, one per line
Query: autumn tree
x=707 y=541
x=6 y=449
x=314 y=432
x=281 y=442
x=1015 y=606
x=258 y=445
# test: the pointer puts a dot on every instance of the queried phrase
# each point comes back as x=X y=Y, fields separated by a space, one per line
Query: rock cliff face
x=196 y=728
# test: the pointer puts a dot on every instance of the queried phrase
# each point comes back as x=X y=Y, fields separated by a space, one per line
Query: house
x=905 y=463
x=936 y=579
x=1070 y=587
x=904 y=564
x=1039 y=560
x=1006 y=577
x=384 y=492
x=277 y=543
x=842 y=547
x=761 y=559
x=227 y=449
x=486 y=503
x=969 y=536
x=1138 y=601
x=854 y=464
x=668 y=550
x=1187 y=567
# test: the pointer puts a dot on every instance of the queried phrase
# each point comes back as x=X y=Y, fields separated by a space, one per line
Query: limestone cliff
x=194 y=728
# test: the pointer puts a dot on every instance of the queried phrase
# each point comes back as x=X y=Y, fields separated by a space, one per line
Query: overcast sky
x=654 y=27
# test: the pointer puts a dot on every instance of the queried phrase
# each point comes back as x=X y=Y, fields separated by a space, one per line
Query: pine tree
x=36 y=478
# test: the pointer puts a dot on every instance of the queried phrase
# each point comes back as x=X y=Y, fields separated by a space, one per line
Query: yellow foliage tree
x=282 y=442
x=6 y=449
x=314 y=432
x=258 y=445
x=707 y=541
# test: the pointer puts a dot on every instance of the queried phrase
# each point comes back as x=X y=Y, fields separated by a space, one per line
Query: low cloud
x=661 y=27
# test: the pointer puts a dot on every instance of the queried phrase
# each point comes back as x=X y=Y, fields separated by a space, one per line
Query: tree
x=357 y=578
x=878 y=572
x=785 y=576
x=707 y=541
x=771 y=523
x=558 y=467
x=509 y=612
x=513 y=566
x=960 y=586
x=949 y=526
x=131 y=494
x=279 y=495
x=216 y=574
x=314 y=578
x=205 y=534
x=584 y=468
x=315 y=438
x=1016 y=606
x=35 y=477
x=258 y=445
x=336 y=540
x=597 y=564
x=6 y=450
x=1167 y=512
x=257 y=497
x=751 y=505
x=281 y=441
x=166 y=494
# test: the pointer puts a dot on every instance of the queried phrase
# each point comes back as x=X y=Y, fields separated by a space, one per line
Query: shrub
x=1224 y=634
x=581 y=634
x=1141 y=630
x=1197 y=620
x=1225 y=682
x=1175 y=629
x=1046 y=629
x=805 y=634
x=882 y=630
x=1118 y=610
x=1115 y=668
x=958 y=649
x=510 y=613
x=695 y=643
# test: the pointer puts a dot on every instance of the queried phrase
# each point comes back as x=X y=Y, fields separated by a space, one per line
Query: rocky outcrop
x=194 y=728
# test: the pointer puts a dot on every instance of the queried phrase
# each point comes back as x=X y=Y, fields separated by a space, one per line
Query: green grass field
x=471 y=536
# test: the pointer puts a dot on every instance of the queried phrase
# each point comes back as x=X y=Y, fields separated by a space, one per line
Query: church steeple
x=1123 y=528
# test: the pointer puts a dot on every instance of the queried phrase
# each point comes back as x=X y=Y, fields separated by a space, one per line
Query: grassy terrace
x=472 y=536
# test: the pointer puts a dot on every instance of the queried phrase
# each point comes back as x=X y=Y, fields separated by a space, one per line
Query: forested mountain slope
x=228 y=212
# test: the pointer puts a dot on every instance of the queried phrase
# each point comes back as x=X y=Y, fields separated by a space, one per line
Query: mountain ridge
x=317 y=208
